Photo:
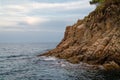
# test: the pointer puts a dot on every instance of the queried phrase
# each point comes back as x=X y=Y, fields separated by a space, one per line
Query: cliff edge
x=95 y=39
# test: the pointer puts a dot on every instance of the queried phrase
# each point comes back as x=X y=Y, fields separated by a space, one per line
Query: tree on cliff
x=96 y=1
x=104 y=1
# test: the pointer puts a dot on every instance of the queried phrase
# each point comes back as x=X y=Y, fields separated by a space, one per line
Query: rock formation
x=94 y=40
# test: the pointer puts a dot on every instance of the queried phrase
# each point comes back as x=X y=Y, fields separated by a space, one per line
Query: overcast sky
x=39 y=20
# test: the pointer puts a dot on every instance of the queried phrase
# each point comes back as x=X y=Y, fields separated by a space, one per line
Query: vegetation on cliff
x=96 y=1
x=95 y=39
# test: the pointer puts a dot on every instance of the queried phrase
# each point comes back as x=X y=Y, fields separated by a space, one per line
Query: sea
x=20 y=61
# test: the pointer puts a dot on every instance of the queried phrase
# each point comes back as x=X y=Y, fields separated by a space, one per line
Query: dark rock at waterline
x=93 y=40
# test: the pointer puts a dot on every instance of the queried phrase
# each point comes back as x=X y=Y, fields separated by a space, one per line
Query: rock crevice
x=93 y=40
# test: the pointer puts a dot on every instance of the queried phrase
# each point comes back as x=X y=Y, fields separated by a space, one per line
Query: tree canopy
x=96 y=1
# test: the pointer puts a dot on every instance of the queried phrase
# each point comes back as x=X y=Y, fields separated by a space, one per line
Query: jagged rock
x=93 y=40
x=111 y=66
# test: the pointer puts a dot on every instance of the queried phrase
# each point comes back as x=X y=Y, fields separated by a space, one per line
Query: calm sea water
x=20 y=62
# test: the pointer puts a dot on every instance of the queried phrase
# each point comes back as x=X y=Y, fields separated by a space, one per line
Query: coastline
x=93 y=40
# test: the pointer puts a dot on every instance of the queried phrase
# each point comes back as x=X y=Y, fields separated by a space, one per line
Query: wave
x=13 y=56
x=49 y=58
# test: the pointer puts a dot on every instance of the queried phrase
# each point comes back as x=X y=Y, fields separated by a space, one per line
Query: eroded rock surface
x=93 y=40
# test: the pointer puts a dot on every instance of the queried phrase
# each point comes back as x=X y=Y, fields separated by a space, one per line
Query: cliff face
x=93 y=40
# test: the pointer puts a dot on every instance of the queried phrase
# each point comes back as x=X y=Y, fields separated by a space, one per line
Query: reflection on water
x=19 y=62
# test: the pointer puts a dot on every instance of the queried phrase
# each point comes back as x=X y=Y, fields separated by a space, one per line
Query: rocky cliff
x=94 y=40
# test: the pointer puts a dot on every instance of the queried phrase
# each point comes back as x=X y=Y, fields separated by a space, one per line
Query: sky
x=39 y=20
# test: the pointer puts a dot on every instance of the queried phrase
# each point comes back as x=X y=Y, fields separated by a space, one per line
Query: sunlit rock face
x=94 y=40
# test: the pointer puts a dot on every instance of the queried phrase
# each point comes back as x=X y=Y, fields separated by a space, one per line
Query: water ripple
x=19 y=62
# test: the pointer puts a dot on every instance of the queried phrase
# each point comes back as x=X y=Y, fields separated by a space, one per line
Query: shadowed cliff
x=93 y=40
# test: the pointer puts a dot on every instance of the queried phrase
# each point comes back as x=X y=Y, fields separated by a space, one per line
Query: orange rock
x=94 y=41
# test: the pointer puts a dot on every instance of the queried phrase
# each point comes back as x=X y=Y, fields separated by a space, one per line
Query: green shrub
x=96 y=1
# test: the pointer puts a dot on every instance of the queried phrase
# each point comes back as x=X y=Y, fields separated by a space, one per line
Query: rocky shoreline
x=94 y=40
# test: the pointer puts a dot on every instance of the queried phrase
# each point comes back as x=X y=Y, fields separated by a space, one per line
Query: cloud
x=35 y=5
x=39 y=20
x=61 y=6
x=6 y=21
x=34 y=20
x=32 y=13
